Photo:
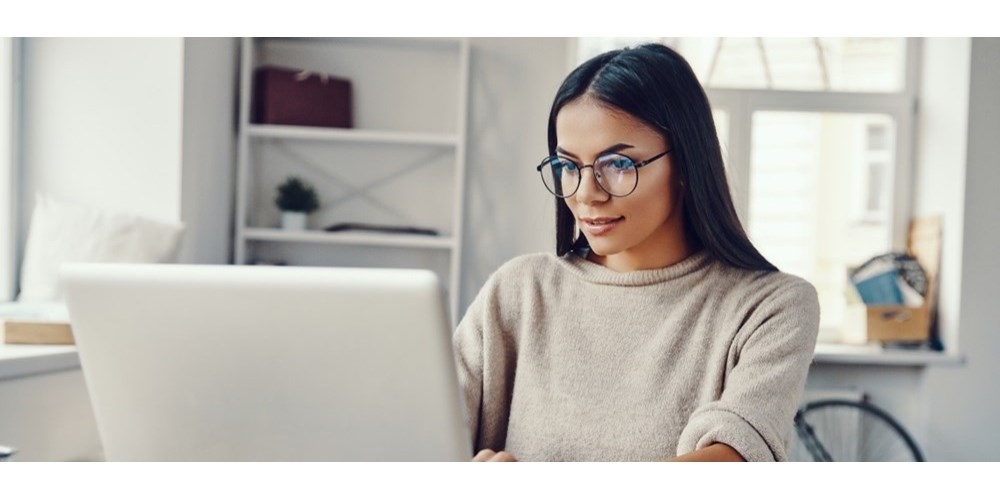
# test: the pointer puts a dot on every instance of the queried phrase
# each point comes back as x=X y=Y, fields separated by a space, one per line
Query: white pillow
x=62 y=232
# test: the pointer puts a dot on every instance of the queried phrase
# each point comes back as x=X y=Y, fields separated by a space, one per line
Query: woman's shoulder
x=782 y=303
x=526 y=266
x=514 y=286
x=522 y=273
x=764 y=286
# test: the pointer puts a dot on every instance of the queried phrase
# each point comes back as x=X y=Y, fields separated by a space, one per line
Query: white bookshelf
x=403 y=163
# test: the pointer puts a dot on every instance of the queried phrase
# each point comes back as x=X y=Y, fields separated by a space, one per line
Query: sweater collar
x=596 y=273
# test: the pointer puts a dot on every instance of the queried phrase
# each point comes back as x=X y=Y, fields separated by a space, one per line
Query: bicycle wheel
x=850 y=431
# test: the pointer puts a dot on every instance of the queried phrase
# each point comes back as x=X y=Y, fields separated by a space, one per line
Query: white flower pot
x=293 y=221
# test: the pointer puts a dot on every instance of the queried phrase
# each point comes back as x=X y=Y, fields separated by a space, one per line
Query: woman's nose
x=589 y=191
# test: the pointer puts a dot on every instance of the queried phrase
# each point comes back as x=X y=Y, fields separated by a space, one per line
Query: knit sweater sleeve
x=485 y=356
x=467 y=343
x=772 y=353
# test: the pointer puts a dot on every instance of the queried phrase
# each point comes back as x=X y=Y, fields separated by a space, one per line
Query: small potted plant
x=296 y=199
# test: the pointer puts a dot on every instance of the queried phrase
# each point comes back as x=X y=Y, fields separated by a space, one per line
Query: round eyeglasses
x=617 y=174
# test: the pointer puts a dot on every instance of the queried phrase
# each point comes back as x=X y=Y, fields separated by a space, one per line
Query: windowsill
x=24 y=360
x=845 y=354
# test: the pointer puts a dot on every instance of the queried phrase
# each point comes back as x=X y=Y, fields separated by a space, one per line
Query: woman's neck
x=650 y=255
x=626 y=262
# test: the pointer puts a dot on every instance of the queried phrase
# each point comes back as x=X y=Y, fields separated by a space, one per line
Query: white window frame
x=741 y=104
x=9 y=178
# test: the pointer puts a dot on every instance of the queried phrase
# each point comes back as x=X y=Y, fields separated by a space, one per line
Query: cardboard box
x=892 y=323
x=284 y=96
x=864 y=324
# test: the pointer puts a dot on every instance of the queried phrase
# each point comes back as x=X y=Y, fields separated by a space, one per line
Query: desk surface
x=24 y=360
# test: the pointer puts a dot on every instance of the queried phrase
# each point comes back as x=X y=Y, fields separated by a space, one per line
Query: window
x=812 y=184
x=817 y=134
x=7 y=221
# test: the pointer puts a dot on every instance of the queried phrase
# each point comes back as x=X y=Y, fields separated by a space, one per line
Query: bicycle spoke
x=843 y=430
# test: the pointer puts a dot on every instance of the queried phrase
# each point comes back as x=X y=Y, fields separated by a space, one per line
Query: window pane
x=819 y=196
x=832 y=64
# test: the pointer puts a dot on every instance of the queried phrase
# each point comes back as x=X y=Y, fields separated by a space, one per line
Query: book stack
x=893 y=296
x=891 y=279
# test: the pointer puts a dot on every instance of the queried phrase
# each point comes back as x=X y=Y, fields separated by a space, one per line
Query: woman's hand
x=488 y=455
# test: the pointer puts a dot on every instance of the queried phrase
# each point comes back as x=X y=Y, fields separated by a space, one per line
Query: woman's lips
x=600 y=226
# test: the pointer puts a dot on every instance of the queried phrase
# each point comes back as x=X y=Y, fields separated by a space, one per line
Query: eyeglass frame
x=579 y=180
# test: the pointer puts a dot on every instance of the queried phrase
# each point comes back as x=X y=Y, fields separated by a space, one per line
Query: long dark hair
x=656 y=85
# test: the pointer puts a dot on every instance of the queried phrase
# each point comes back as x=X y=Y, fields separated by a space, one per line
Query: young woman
x=657 y=330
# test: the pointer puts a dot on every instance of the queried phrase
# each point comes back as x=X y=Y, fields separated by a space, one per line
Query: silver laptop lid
x=267 y=363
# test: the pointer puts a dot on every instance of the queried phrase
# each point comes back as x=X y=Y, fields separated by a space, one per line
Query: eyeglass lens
x=615 y=173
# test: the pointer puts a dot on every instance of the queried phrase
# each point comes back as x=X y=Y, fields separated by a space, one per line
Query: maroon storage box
x=284 y=96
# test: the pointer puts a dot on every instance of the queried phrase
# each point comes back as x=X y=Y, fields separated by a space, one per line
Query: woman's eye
x=619 y=163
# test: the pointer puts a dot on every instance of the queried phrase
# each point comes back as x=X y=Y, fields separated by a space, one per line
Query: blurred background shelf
x=363 y=238
x=352 y=135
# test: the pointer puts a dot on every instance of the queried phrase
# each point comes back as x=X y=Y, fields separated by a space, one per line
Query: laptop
x=258 y=363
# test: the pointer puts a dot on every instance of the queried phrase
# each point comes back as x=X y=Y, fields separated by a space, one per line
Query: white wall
x=508 y=211
x=102 y=123
x=208 y=148
x=939 y=189
x=963 y=403
x=939 y=184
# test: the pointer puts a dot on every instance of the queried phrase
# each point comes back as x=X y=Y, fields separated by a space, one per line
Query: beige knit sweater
x=561 y=358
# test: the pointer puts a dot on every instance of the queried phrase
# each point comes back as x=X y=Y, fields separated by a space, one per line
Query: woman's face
x=643 y=230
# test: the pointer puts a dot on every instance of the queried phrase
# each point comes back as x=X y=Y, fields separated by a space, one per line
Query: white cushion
x=62 y=232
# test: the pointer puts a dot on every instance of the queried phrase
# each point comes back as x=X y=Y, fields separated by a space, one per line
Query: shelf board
x=364 y=238
x=878 y=355
x=407 y=42
x=351 y=135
